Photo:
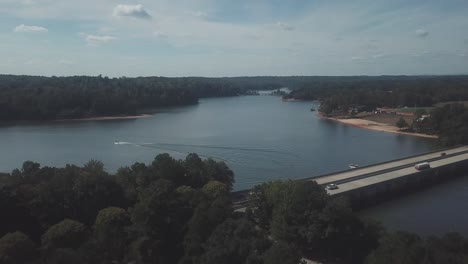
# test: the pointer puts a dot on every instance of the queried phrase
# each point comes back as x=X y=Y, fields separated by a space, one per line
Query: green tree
x=282 y=253
x=66 y=256
x=94 y=190
x=235 y=241
x=219 y=171
x=160 y=216
x=110 y=232
x=399 y=247
x=401 y=123
x=195 y=171
x=66 y=234
x=16 y=248
x=166 y=167
x=215 y=189
x=209 y=213
x=296 y=212
x=450 y=248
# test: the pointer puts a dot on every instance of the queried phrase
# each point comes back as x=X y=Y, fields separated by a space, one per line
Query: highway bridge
x=388 y=178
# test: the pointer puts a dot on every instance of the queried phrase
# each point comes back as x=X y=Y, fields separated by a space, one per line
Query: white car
x=332 y=186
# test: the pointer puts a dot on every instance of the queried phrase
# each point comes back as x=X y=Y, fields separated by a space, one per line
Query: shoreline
x=376 y=126
x=104 y=118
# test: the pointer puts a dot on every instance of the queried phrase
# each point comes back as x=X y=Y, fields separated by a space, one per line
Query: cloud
x=357 y=59
x=197 y=13
x=160 y=34
x=136 y=11
x=30 y=29
x=420 y=54
x=378 y=56
x=422 y=33
x=66 y=62
x=96 y=40
x=285 y=26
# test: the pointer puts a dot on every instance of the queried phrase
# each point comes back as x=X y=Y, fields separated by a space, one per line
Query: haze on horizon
x=233 y=38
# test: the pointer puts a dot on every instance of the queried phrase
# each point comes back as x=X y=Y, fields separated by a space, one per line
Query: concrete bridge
x=367 y=185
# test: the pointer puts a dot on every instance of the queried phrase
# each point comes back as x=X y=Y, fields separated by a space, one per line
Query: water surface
x=260 y=137
x=433 y=211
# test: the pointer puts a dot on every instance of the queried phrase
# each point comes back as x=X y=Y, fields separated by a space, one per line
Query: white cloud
x=420 y=54
x=160 y=34
x=30 y=29
x=96 y=40
x=136 y=11
x=66 y=62
x=285 y=26
x=378 y=56
x=357 y=58
x=422 y=33
x=197 y=13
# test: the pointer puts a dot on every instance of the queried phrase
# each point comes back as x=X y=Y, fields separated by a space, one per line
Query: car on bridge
x=422 y=166
x=331 y=186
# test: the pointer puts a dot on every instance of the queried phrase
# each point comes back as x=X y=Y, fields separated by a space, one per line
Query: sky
x=216 y=38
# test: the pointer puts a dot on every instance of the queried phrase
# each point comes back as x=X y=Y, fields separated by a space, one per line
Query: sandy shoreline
x=103 y=118
x=372 y=125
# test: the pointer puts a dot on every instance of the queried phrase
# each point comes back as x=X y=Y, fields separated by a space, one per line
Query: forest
x=48 y=98
x=181 y=211
x=449 y=121
x=36 y=98
x=27 y=98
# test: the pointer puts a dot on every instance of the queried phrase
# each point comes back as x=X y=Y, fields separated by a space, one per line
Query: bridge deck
x=390 y=170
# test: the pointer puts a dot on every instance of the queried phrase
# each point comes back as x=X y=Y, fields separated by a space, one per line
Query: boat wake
x=185 y=149
x=122 y=143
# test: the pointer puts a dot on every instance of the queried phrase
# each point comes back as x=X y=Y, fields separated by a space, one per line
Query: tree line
x=449 y=122
x=383 y=91
x=48 y=98
x=180 y=211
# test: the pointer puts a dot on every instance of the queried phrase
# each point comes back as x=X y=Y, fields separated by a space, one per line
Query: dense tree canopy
x=302 y=214
x=380 y=91
x=407 y=248
x=164 y=212
x=45 y=98
x=180 y=211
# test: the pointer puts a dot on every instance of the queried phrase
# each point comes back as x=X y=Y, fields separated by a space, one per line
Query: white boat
x=353 y=166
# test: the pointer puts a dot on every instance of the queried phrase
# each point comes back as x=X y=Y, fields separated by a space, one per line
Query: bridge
x=375 y=181
x=393 y=173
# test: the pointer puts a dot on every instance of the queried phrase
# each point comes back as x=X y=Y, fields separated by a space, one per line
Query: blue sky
x=233 y=38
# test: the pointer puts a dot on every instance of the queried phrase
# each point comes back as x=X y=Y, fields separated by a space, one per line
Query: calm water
x=434 y=211
x=260 y=137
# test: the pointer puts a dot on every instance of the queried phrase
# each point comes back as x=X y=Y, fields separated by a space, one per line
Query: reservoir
x=261 y=138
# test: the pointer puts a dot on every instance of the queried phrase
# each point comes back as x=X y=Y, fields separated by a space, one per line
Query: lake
x=260 y=137
x=436 y=210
